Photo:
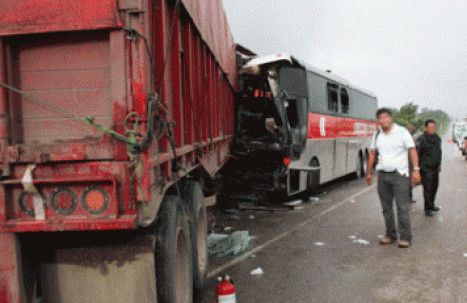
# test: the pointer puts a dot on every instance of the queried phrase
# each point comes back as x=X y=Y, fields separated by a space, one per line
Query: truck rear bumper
x=15 y=226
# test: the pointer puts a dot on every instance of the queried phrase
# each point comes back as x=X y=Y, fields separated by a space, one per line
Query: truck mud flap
x=123 y=273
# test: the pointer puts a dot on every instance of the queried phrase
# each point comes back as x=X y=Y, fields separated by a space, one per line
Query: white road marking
x=284 y=234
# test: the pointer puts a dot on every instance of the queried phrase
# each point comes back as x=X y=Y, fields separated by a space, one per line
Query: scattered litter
x=353 y=237
x=465 y=255
x=380 y=236
x=232 y=211
x=227 y=228
x=253 y=256
x=268 y=208
x=352 y=201
x=221 y=245
x=319 y=243
x=361 y=241
x=292 y=203
x=251 y=217
x=313 y=199
x=257 y=271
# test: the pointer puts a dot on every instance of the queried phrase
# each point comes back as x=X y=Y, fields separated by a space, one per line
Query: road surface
x=328 y=251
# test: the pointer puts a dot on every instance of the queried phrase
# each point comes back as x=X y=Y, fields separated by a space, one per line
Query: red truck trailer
x=114 y=117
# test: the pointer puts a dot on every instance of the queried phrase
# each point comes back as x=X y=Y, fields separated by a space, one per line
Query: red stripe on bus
x=322 y=126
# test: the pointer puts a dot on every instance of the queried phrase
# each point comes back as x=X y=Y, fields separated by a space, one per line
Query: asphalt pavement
x=327 y=250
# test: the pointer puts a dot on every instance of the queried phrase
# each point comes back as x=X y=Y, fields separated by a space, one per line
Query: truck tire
x=174 y=277
x=195 y=206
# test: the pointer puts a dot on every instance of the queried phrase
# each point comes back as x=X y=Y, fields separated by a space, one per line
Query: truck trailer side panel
x=106 y=107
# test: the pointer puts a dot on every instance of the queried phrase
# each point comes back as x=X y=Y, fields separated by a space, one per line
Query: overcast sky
x=402 y=50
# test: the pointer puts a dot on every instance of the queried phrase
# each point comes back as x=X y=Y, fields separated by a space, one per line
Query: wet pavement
x=328 y=251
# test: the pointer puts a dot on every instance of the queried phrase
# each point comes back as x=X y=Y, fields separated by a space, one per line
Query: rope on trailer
x=130 y=137
x=164 y=127
x=158 y=126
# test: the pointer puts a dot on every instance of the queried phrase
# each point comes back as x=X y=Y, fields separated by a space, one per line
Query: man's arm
x=416 y=169
x=369 y=165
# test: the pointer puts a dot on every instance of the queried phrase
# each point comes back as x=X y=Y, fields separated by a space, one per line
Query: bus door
x=340 y=143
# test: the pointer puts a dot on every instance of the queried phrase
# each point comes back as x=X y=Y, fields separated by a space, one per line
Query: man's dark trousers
x=430 y=182
x=395 y=186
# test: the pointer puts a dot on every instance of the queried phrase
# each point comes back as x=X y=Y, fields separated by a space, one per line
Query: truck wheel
x=196 y=210
x=174 y=278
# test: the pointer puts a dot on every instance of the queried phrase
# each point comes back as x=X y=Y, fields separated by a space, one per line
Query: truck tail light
x=287 y=161
x=63 y=201
x=26 y=204
x=94 y=200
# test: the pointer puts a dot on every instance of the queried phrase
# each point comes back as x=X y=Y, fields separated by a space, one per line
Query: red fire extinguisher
x=225 y=290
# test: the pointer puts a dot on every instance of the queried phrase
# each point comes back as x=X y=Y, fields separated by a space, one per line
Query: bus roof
x=283 y=57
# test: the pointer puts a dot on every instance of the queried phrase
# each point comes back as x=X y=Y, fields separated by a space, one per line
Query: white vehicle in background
x=459 y=136
x=458 y=129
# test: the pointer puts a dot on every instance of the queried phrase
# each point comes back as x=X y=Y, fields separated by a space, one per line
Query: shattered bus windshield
x=293 y=81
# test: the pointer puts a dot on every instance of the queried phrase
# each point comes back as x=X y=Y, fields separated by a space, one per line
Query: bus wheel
x=312 y=179
x=196 y=211
x=174 y=278
x=361 y=167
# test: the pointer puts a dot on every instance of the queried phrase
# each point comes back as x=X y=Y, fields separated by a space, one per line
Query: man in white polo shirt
x=393 y=144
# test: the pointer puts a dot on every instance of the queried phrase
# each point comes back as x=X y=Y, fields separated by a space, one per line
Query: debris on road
x=353 y=237
x=361 y=241
x=257 y=271
x=232 y=211
x=222 y=245
x=266 y=208
x=313 y=199
x=293 y=203
x=319 y=243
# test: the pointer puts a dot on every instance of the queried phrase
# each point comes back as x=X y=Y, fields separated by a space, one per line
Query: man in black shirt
x=429 y=153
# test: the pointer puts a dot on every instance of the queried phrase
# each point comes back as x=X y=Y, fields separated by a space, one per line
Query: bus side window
x=344 y=101
x=332 y=97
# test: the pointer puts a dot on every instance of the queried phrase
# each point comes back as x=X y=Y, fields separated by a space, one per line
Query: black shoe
x=428 y=213
x=436 y=208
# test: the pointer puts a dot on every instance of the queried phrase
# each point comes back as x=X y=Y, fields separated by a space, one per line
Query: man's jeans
x=393 y=185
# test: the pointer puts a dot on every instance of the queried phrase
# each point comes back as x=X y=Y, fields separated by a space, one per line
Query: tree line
x=409 y=114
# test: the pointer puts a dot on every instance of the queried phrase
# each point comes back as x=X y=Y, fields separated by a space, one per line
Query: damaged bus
x=296 y=128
